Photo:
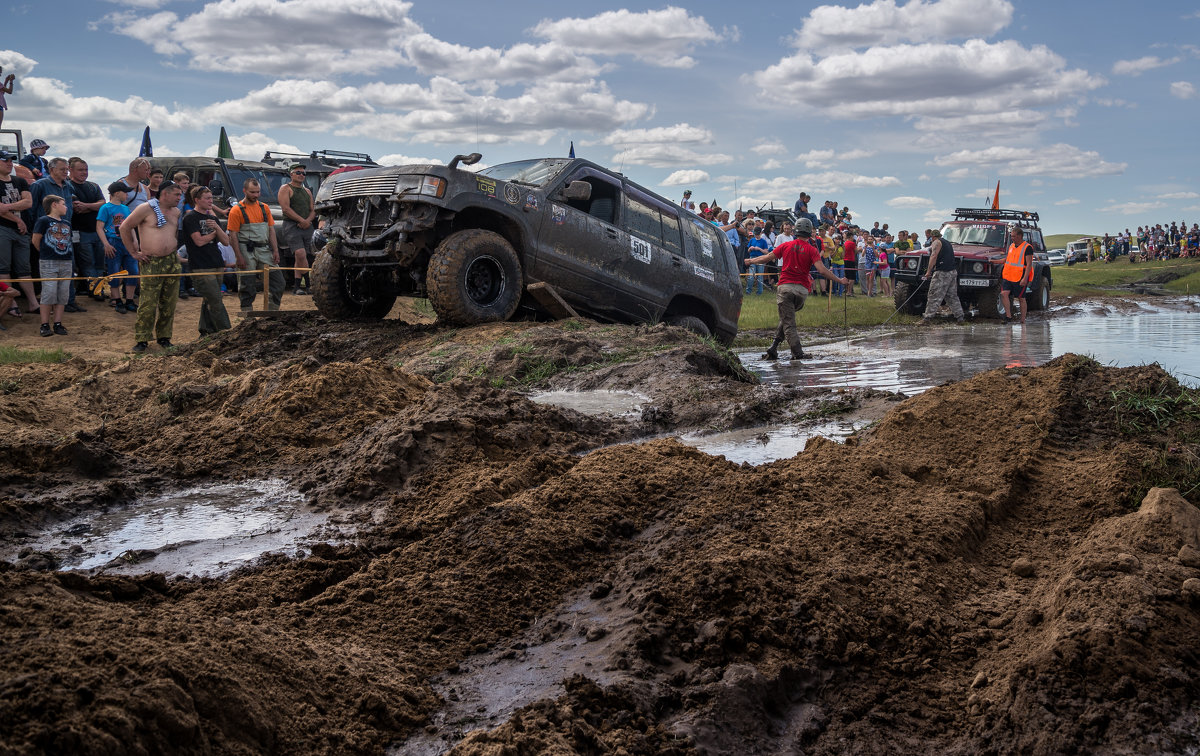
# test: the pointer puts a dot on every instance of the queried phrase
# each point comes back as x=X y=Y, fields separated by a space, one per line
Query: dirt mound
x=990 y=568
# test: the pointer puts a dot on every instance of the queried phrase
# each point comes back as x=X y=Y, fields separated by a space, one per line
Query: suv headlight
x=433 y=186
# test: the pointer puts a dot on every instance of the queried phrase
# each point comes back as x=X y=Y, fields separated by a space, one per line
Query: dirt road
x=989 y=568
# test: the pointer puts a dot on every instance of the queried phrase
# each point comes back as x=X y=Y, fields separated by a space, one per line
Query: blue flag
x=572 y=154
x=147 y=150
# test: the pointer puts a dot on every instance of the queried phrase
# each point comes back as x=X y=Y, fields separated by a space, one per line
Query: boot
x=771 y=354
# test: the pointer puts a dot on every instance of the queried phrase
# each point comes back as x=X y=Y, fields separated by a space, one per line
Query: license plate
x=974 y=282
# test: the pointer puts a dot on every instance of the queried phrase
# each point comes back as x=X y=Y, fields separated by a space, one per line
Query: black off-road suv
x=980 y=239
x=533 y=235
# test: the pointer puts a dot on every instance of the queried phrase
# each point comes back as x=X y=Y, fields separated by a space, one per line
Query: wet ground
x=1006 y=562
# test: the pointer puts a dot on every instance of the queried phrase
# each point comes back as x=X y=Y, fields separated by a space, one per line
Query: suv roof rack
x=986 y=213
x=329 y=157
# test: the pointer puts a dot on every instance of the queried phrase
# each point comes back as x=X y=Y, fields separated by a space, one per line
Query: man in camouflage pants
x=943 y=276
x=150 y=235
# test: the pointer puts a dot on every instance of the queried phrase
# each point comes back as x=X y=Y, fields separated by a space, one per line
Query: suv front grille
x=364 y=185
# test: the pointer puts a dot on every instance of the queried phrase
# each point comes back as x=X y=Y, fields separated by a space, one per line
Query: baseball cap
x=6 y=155
x=36 y=143
x=119 y=186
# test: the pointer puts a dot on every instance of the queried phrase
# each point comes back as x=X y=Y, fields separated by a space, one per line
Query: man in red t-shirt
x=798 y=256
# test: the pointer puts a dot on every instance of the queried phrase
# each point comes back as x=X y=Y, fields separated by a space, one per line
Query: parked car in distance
x=1056 y=256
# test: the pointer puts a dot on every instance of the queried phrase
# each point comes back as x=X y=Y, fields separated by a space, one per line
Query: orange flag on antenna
x=996 y=199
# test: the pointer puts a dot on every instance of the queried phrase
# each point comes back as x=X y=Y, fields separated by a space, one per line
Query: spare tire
x=342 y=293
x=474 y=277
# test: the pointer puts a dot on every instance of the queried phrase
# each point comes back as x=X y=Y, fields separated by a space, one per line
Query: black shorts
x=1015 y=288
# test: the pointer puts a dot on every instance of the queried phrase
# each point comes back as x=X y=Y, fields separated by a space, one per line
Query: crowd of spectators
x=864 y=255
x=83 y=239
x=1158 y=242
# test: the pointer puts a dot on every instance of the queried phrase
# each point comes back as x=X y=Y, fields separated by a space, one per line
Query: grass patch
x=11 y=355
x=759 y=311
x=1085 y=278
x=1141 y=413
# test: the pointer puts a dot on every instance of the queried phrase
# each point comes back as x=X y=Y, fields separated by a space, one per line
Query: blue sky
x=1086 y=112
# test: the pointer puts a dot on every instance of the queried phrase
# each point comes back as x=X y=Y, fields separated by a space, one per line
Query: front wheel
x=474 y=277
x=1039 y=298
x=990 y=304
x=690 y=323
x=905 y=297
x=341 y=292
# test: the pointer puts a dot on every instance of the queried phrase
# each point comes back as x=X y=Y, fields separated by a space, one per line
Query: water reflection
x=913 y=360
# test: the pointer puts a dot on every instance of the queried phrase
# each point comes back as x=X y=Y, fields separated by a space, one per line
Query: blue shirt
x=111 y=216
x=734 y=239
x=759 y=243
x=43 y=188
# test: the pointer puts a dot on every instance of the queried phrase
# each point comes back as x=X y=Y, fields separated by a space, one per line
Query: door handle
x=677 y=261
x=611 y=233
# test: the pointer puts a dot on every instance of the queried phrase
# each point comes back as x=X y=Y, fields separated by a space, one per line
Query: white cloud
x=1184 y=90
x=398 y=159
x=885 y=23
x=785 y=189
x=149 y=4
x=252 y=146
x=816 y=158
x=680 y=133
x=280 y=37
x=1068 y=201
x=1132 y=208
x=771 y=165
x=522 y=62
x=658 y=37
x=665 y=146
x=909 y=202
x=1141 y=65
x=1192 y=209
x=686 y=178
x=935 y=80
x=855 y=154
x=1054 y=161
x=768 y=147
x=668 y=156
x=1008 y=123
x=936 y=216
x=51 y=100
x=1179 y=196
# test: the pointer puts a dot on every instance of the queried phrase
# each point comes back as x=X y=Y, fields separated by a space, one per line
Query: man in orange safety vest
x=1018 y=272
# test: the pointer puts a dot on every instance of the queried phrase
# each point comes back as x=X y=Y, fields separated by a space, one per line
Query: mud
x=1009 y=563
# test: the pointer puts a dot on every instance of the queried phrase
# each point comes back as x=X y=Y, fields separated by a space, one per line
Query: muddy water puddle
x=767 y=443
x=206 y=530
x=595 y=402
x=914 y=360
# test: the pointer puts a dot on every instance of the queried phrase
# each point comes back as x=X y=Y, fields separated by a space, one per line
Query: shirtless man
x=150 y=235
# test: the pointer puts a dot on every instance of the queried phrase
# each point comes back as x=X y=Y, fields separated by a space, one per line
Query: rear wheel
x=341 y=292
x=474 y=277
x=691 y=323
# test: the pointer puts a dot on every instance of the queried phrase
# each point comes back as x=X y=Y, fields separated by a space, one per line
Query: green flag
x=223 y=148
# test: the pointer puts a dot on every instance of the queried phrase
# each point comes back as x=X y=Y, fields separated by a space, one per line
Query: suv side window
x=603 y=203
x=704 y=246
x=1035 y=238
x=643 y=221
x=670 y=234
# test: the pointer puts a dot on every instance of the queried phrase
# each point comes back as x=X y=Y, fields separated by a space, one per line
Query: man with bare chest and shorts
x=150 y=235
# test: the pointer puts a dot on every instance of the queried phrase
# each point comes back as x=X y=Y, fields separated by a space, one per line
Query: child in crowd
x=116 y=257
x=52 y=240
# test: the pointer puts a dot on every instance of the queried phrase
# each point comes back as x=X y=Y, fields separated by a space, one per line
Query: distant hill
x=1059 y=241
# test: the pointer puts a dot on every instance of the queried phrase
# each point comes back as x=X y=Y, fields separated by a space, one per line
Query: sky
x=1083 y=111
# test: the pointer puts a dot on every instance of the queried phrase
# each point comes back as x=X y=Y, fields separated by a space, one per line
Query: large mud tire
x=341 y=294
x=474 y=277
x=691 y=323
x=990 y=304
x=901 y=297
x=1039 y=298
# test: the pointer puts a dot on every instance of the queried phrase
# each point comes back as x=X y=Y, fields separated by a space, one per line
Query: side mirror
x=471 y=159
x=577 y=190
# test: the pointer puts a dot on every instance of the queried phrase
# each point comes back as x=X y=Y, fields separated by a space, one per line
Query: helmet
x=804 y=227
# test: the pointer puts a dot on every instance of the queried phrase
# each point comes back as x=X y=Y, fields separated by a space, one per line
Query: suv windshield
x=269 y=181
x=981 y=234
x=532 y=172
